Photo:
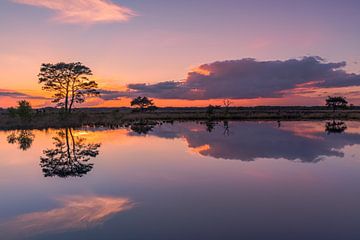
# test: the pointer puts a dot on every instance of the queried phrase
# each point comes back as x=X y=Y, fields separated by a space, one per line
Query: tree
x=70 y=157
x=336 y=102
x=227 y=105
x=143 y=103
x=69 y=82
x=23 y=110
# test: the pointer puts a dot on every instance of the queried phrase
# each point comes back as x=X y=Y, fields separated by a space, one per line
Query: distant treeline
x=195 y=109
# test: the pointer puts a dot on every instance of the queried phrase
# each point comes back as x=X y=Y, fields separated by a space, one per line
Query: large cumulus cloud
x=249 y=78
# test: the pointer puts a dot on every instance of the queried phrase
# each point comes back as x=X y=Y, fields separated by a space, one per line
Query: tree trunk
x=67 y=97
x=72 y=93
x=72 y=101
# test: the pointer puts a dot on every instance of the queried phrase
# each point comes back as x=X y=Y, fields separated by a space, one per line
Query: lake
x=225 y=180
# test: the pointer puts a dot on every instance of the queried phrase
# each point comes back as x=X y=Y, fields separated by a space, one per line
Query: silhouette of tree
x=143 y=104
x=69 y=82
x=336 y=102
x=335 y=127
x=142 y=127
x=227 y=105
x=70 y=157
x=24 y=138
x=23 y=110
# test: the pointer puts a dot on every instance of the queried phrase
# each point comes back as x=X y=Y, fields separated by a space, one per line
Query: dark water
x=235 y=180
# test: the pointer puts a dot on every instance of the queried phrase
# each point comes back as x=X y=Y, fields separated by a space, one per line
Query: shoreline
x=125 y=116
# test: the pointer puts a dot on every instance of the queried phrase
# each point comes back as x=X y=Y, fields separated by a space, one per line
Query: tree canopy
x=143 y=103
x=23 y=110
x=69 y=82
x=336 y=102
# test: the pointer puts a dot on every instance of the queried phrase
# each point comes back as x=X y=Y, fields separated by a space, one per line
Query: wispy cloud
x=84 y=11
x=18 y=95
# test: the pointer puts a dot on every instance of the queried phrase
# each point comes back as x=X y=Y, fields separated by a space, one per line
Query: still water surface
x=235 y=180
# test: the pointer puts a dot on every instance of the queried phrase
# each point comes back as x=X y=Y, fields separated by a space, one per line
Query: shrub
x=23 y=110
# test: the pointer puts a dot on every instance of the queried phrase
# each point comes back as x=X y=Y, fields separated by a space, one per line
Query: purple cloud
x=249 y=78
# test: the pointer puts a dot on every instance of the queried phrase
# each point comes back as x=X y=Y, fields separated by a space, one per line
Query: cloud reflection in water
x=76 y=212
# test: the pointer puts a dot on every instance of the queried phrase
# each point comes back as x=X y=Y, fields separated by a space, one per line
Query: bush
x=23 y=110
x=12 y=112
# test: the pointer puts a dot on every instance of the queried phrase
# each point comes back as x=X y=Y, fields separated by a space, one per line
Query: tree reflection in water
x=210 y=125
x=70 y=157
x=24 y=138
x=142 y=127
x=226 y=128
x=335 y=127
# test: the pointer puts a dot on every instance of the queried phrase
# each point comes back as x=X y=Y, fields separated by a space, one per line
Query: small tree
x=143 y=103
x=336 y=102
x=69 y=82
x=227 y=105
x=23 y=110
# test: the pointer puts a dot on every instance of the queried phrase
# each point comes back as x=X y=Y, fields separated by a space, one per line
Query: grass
x=123 y=116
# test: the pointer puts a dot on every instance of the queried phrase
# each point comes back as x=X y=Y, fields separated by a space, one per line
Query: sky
x=185 y=53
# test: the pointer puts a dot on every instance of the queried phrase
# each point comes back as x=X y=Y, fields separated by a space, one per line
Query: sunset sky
x=185 y=53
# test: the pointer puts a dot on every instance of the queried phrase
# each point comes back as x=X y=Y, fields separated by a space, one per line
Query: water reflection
x=245 y=141
x=210 y=125
x=70 y=156
x=142 y=127
x=75 y=212
x=335 y=127
x=248 y=141
x=24 y=138
x=178 y=172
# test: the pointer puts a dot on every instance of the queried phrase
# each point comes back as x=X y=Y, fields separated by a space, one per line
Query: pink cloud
x=83 y=11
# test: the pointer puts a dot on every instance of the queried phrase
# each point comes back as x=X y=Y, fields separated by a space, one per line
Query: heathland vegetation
x=70 y=86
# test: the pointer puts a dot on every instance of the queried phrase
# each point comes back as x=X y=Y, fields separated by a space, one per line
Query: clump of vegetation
x=69 y=82
x=336 y=102
x=143 y=104
x=23 y=110
x=210 y=110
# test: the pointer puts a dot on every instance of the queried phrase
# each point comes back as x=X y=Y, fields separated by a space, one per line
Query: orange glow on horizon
x=304 y=95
